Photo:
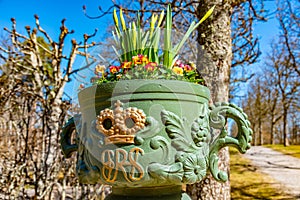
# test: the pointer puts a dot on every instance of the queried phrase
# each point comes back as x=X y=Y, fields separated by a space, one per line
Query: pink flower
x=178 y=62
x=187 y=68
x=151 y=66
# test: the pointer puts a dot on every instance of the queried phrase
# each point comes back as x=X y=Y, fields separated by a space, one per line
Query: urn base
x=149 y=193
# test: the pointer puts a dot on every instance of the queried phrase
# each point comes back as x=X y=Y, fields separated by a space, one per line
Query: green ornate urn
x=146 y=138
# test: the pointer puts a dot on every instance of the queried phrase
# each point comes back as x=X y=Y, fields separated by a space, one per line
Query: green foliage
x=132 y=40
x=139 y=55
x=170 y=52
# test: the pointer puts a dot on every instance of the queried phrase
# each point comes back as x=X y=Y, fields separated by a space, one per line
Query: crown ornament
x=120 y=125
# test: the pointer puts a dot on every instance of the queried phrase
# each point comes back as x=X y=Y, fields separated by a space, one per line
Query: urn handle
x=66 y=135
x=218 y=119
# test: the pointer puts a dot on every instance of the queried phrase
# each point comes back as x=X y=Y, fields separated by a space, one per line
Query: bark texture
x=215 y=37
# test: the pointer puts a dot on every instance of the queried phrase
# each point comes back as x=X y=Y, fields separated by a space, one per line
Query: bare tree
x=256 y=105
x=34 y=71
x=286 y=81
x=280 y=83
x=287 y=66
x=272 y=97
x=289 y=20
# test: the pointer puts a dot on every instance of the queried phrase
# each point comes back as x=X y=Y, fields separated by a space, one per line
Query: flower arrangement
x=139 y=55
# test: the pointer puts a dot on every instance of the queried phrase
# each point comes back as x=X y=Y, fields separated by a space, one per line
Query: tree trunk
x=273 y=117
x=280 y=135
x=261 y=138
x=294 y=130
x=215 y=36
x=285 y=138
x=272 y=131
x=55 y=122
x=254 y=135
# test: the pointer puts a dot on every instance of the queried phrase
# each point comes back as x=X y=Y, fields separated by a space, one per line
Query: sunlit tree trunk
x=285 y=134
x=215 y=36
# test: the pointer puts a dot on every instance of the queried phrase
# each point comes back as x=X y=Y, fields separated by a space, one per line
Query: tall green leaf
x=192 y=27
x=167 y=39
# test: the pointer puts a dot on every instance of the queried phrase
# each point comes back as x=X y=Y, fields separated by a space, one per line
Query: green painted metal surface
x=148 y=137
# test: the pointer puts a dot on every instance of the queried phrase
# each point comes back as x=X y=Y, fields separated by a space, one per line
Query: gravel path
x=283 y=168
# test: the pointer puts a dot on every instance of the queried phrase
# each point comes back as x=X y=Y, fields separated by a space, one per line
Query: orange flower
x=144 y=60
x=136 y=60
x=178 y=70
x=126 y=65
x=114 y=69
x=151 y=66
x=140 y=59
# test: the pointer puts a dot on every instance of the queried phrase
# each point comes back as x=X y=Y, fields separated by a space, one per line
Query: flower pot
x=146 y=138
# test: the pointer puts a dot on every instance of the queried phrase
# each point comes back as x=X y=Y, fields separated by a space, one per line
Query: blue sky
x=52 y=12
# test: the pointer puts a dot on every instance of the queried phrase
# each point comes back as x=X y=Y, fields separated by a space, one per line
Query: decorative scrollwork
x=177 y=130
x=73 y=125
x=162 y=143
x=218 y=118
x=191 y=159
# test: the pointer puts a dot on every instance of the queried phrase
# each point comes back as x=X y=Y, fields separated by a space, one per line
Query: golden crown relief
x=119 y=125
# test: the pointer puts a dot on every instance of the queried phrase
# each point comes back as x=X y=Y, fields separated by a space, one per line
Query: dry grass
x=248 y=183
x=292 y=150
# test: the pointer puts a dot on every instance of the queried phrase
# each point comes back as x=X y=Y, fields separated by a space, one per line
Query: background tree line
x=272 y=100
x=35 y=69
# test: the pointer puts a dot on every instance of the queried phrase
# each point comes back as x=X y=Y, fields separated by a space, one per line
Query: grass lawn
x=293 y=150
x=248 y=183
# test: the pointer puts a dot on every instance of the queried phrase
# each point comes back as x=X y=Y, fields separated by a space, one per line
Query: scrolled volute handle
x=218 y=118
x=67 y=146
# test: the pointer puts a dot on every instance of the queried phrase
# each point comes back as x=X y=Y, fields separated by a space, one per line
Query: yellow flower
x=140 y=59
x=119 y=76
x=193 y=65
x=144 y=60
x=136 y=60
x=100 y=69
x=178 y=70
x=60 y=176
x=126 y=65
